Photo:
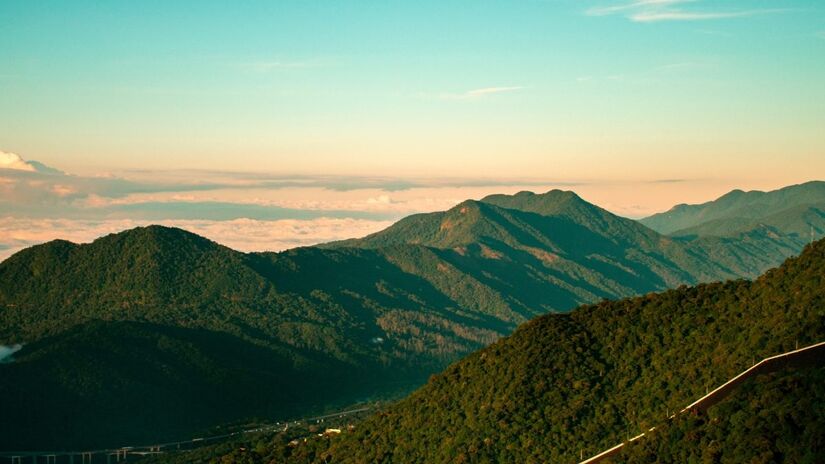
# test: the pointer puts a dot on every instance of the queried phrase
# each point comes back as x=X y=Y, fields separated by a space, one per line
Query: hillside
x=367 y=316
x=106 y=382
x=790 y=211
x=331 y=326
x=563 y=239
x=580 y=382
x=773 y=418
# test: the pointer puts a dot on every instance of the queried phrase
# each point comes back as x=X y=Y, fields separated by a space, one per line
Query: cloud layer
x=256 y=212
x=239 y=234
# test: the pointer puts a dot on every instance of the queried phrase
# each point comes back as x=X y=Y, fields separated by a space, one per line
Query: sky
x=271 y=124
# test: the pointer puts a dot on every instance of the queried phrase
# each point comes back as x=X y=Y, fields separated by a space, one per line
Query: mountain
x=792 y=211
x=335 y=323
x=773 y=418
x=156 y=316
x=582 y=249
x=565 y=385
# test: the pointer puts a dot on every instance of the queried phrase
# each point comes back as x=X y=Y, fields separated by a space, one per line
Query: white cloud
x=652 y=16
x=646 y=11
x=638 y=4
x=379 y=200
x=239 y=234
x=473 y=94
x=491 y=90
x=14 y=161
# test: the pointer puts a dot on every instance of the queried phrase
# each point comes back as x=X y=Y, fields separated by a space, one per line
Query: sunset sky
x=271 y=124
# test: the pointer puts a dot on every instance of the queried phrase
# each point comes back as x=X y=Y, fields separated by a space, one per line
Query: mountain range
x=794 y=212
x=156 y=333
x=567 y=386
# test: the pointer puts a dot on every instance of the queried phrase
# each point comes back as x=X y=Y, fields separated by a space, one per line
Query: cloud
x=240 y=234
x=638 y=4
x=647 y=11
x=14 y=161
x=652 y=16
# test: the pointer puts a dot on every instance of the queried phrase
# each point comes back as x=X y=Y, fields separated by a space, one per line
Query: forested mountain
x=791 y=212
x=777 y=417
x=334 y=323
x=565 y=384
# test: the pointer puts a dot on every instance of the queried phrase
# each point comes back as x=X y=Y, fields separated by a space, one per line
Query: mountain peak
x=550 y=203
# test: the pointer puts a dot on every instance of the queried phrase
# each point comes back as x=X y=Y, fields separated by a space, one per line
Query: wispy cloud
x=474 y=94
x=634 y=5
x=647 y=11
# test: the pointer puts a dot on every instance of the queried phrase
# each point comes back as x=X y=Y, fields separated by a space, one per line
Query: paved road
x=809 y=355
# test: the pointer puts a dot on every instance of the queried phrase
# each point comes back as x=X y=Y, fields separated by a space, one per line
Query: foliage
x=334 y=324
x=580 y=382
x=772 y=418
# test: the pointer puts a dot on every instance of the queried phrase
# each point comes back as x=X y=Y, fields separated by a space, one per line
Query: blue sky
x=295 y=86
x=602 y=95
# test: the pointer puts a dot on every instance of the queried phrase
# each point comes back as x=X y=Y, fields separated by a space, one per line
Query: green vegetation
x=776 y=417
x=311 y=327
x=583 y=381
x=787 y=214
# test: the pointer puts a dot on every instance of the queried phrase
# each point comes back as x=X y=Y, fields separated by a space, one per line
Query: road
x=809 y=355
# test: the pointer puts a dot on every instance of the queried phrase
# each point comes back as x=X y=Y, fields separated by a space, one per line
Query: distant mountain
x=567 y=385
x=792 y=211
x=360 y=317
x=573 y=243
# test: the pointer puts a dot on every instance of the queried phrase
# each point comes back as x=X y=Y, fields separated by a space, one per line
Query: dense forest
x=331 y=325
x=569 y=384
x=777 y=417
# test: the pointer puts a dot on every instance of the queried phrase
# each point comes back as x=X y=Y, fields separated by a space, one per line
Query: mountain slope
x=332 y=326
x=773 y=418
x=386 y=310
x=128 y=382
x=576 y=243
x=593 y=376
x=791 y=210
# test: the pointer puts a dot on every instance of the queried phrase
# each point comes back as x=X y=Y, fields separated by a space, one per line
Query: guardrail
x=812 y=354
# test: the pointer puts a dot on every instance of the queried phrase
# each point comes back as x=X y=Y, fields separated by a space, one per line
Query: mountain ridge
x=591 y=377
x=395 y=306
